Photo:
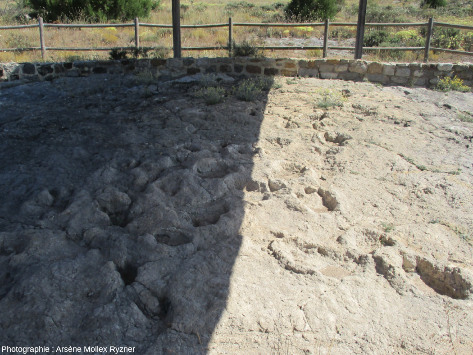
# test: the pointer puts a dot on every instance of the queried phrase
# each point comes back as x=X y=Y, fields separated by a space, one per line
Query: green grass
x=329 y=99
x=424 y=168
x=211 y=95
x=465 y=117
x=461 y=232
x=387 y=227
x=248 y=90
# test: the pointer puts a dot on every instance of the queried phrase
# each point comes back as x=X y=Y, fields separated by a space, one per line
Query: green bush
x=404 y=38
x=245 y=49
x=118 y=53
x=93 y=10
x=273 y=7
x=208 y=80
x=310 y=10
x=433 y=4
x=121 y=53
x=457 y=8
x=378 y=14
x=242 y=5
x=447 y=84
x=329 y=99
x=375 y=38
x=465 y=117
x=468 y=42
x=265 y=83
x=248 y=90
x=343 y=33
x=211 y=95
x=448 y=38
x=407 y=38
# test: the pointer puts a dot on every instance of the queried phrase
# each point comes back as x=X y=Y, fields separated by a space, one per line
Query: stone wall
x=412 y=74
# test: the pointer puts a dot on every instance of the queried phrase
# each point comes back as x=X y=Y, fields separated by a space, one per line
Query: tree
x=309 y=10
x=93 y=10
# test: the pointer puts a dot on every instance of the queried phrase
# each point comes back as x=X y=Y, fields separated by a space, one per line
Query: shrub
x=330 y=99
x=146 y=77
x=447 y=84
x=465 y=117
x=109 y=35
x=309 y=10
x=449 y=38
x=468 y=42
x=264 y=82
x=407 y=38
x=342 y=33
x=405 y=35
x=208 y=80
x=242 y=5
x=245 y=49
x=378 y=14
x=18 y=40
x=94 y=10
x=120 y=53
x=313 y=53
x=211 y=95
x=375 y=38
x=303 y=31
x=433 y=4
x=159 y=52
x=273 y=7
x=248 y=90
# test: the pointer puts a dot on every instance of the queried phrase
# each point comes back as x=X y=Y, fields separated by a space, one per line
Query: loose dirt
x=324 y=217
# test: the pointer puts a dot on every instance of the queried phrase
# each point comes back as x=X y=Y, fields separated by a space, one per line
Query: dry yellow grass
x=192 y=12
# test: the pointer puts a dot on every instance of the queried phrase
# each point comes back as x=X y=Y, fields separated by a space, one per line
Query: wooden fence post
x=41 y=38
x=176 y=28
x=360 y=29
x=430 y=27
x=137 y=33
x=230 y=36
x=325 y=38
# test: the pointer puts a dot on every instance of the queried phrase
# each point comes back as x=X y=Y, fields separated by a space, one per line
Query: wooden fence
x=230 y=25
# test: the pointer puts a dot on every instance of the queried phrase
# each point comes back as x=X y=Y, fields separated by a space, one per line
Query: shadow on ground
x=121 y=208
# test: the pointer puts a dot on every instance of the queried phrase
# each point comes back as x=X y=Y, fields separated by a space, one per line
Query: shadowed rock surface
x=133 y=214
x=121 y=209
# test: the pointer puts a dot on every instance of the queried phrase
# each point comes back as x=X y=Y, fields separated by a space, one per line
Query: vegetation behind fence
x=230 y=25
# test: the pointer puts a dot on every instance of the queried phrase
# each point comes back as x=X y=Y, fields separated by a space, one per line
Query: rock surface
x=133 y=214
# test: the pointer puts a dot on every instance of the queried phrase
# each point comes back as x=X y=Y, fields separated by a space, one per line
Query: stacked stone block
x=407 y=74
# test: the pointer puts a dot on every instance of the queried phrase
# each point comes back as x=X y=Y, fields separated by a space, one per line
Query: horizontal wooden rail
x=185 y=26
x=341 y=48
x=155 y=25
x=451 y=51
x=205 y=26
x=19 y=49
x=296 y=48
x=343 y=24
x=419 y=24
x=204 y=48
x=17 y=27
x=460 y=27
x=85 y=49
x=319 y=24
x=276 y=24
x=394 y=48
x=57 y=25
